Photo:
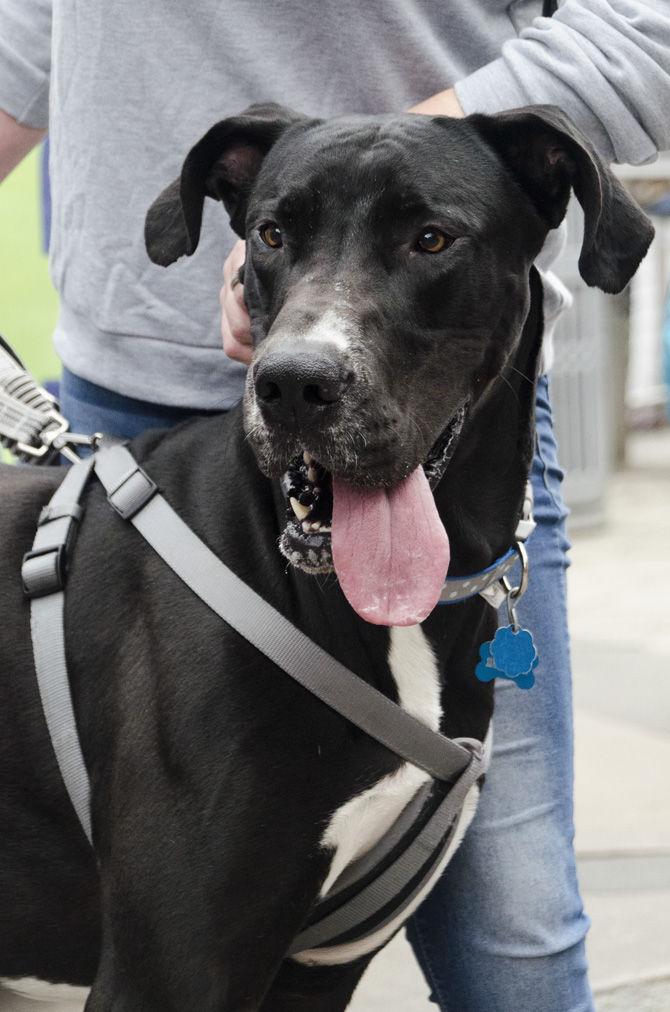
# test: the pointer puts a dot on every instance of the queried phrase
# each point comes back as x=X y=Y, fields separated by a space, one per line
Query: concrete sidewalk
x=620 y=620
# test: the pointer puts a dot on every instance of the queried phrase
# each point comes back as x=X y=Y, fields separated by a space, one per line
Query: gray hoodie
x=127 y=87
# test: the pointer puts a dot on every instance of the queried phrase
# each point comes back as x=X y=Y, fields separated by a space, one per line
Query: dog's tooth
x=325 y=530
x=299 y=509
x=307 y=457
x=306 y=526
x=316 y=525
x=311 y=474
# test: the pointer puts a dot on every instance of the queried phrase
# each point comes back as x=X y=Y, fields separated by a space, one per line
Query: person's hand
x=443 y=104
x=235 y=324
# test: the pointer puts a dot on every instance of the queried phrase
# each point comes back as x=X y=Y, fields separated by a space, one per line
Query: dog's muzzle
x=307 y=488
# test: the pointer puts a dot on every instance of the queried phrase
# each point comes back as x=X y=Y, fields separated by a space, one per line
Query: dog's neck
x=479 y=500
x=480 y=496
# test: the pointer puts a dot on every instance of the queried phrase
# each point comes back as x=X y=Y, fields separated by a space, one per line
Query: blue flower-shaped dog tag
x=513 y=651
x=510 y=654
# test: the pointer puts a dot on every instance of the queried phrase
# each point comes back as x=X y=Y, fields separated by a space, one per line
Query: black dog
x=397 y=314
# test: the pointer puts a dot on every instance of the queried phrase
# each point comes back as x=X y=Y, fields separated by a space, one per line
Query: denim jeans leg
x=504 y=929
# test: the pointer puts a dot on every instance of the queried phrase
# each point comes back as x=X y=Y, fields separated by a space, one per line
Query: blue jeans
x=503 y=930
x=90 y=408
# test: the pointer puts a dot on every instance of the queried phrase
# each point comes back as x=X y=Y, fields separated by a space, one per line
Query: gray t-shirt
x=129 y=86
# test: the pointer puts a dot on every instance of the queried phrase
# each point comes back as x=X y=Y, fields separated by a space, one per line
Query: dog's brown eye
x=270 y=233
x=432 y=241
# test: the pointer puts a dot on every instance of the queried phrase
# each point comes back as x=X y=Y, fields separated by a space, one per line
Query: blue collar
x=489 y=582
x=486 y=582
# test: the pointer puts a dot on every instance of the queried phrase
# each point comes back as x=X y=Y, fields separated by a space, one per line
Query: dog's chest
x=362 y=821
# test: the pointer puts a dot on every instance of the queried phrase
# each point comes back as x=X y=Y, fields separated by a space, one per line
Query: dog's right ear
x=222 y=165
x=548 y=157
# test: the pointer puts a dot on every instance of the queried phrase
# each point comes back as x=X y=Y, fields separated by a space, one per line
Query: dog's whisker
x=508 y=384
x=522 y=374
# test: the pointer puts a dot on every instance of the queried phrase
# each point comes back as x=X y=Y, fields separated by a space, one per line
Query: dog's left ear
x=548 y=157
x=223 y=165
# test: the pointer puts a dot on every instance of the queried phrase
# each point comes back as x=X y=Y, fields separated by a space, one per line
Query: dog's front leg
x=192 y=925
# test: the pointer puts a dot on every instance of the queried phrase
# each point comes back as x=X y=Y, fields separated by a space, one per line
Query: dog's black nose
x=296 y=384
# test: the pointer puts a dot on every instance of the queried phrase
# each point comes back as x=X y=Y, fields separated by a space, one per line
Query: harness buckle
x=132 y=493
x=71 y=512
x=43 y=571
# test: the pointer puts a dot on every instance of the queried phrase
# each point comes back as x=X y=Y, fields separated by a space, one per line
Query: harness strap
x=360 y=868
x=135 y=497
x=417 y=862
x=43 y=573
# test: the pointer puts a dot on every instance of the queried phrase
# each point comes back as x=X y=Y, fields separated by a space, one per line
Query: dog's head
x=386 y=277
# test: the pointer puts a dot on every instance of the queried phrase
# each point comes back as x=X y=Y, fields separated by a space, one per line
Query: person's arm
x=16 y=141
x=25 y=63
x=606 y=63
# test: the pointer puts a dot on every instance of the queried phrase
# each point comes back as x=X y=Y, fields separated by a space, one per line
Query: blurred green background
x=28 y=302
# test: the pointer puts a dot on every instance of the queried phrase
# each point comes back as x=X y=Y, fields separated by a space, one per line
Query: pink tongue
x=390 y=550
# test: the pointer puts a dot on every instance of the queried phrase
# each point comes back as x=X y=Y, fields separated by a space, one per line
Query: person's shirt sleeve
x=25 y=60
x=606 y=63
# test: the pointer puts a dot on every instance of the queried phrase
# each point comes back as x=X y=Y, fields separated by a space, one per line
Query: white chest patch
x=30 y=993
x=360 y=823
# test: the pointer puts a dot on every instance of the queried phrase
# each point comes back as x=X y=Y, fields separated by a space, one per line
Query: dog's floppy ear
x=548 y=156
x=222 y=165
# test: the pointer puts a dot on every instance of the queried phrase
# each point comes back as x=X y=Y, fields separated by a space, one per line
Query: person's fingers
x=234 y=261
x=235 y=330
x=235 y=323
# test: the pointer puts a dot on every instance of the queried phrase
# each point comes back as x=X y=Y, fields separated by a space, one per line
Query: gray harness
x=372 y=891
